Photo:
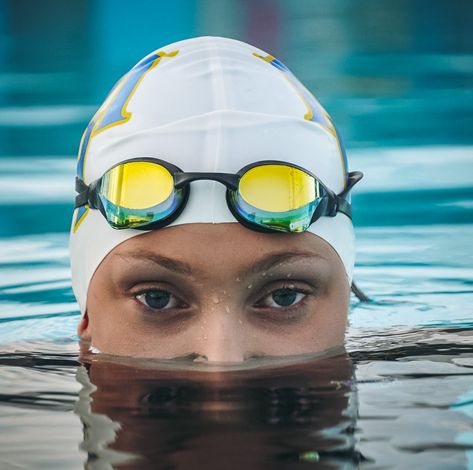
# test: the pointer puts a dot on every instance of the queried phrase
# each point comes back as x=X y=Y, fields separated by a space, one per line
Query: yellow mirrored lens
x=278 y=188
x=137 y=185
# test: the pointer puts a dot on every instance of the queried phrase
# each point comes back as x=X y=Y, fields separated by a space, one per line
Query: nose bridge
x=223 y=339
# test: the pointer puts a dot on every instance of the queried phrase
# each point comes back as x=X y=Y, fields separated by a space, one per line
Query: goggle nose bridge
x=228 y=179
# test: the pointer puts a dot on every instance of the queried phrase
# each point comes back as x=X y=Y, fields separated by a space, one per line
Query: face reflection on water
x=281 y=417
x=219 y=292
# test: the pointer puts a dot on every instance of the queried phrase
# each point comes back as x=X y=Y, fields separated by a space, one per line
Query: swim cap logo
x=113 y=112
x=315 y=112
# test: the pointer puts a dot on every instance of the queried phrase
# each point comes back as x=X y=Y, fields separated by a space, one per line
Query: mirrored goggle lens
x=278 y=188
x=279 y=197
x=138 y=193
x=137 y=185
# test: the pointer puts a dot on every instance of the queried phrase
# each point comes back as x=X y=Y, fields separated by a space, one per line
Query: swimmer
x=213 y=215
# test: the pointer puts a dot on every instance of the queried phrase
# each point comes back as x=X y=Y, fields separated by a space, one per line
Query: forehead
x=227 y=243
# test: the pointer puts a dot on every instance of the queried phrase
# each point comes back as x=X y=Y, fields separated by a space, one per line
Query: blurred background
x=393 y=74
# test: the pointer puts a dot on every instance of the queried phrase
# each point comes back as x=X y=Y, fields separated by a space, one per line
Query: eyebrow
x=171 y=264
x=183 y=268
x=275 y=259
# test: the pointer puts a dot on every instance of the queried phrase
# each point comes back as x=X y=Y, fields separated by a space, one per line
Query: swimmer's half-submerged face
x=218 y=291
x=213 y=211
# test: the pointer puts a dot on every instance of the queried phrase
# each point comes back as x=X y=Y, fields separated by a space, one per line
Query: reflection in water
x=409 y=405
x=266 y=418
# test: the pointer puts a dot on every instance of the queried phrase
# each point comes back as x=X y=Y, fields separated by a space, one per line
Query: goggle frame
x=330 y=202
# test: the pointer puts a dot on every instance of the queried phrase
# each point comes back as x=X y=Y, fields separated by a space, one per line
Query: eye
x=158 y=299
x=282 y=298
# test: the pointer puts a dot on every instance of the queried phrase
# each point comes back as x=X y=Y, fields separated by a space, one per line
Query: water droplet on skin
x=94 y=350
x=238 y=279
x=215 y=299
x=250 y=286
x=289 y=275
x=227 y=308
x=200 y=359
x=263 y=274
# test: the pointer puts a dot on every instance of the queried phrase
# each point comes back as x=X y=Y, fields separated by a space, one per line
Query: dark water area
x=394 y=406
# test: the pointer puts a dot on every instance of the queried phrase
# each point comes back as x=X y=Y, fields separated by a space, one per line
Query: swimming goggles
x=266 y=196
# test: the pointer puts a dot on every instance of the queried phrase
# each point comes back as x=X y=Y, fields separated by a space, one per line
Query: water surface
x=397 y=78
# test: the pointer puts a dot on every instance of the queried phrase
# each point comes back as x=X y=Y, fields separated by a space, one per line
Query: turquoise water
x=398 y=80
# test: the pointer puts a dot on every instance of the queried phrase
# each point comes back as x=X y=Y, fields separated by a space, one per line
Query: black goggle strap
x=86 y=193
x=82 y=197
x=339 y=201
x=343 y=206
x=353 y=178
x=362 y=297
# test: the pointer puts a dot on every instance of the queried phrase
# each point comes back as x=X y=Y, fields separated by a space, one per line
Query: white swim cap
x=207 y=104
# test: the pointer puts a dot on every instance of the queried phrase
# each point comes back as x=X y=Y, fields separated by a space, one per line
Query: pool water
x=397 y=79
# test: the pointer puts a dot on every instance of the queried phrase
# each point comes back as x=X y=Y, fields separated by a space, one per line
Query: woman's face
x=219 y=291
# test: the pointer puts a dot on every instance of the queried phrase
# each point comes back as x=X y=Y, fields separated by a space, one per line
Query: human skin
x=220 y=291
